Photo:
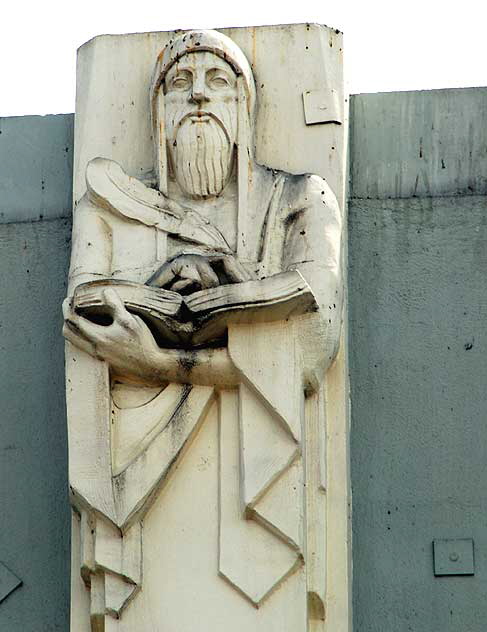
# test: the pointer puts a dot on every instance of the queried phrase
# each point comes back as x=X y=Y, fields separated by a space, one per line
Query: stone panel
x=36 y=154
x=34 y=518
x=418 y=307
x=421 y=144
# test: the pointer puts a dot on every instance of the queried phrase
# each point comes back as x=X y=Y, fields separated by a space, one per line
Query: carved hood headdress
x=222 y=46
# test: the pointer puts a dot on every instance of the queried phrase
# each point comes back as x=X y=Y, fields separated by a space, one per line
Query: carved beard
x=202 y=154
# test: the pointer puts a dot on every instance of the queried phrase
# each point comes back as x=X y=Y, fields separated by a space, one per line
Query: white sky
x=389 y=45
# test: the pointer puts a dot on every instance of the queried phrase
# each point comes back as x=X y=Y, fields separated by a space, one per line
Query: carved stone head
x=203 y=97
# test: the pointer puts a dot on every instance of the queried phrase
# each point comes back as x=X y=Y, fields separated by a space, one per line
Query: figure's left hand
x=190 y=273
x=126 y=344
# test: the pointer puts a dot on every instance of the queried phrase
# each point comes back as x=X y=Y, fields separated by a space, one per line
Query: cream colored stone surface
x=206 y=383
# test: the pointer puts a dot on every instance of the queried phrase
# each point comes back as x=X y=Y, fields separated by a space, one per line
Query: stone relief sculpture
x=204 y=309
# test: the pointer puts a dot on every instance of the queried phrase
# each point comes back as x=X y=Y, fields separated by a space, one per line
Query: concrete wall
x=418 y=303
x=418 y=356
x=35 y=181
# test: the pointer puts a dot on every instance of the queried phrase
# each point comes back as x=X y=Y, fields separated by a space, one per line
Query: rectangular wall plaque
x=322 y=106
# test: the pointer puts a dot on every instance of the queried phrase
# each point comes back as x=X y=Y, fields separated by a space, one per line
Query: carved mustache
x=199 y=114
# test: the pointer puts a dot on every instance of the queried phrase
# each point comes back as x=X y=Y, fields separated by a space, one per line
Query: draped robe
x=140 y=454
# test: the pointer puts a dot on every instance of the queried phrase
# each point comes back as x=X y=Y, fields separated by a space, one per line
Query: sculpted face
x=201 y=122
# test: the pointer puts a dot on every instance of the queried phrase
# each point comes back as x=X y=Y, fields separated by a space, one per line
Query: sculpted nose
x=198 y=93
x=198 y=97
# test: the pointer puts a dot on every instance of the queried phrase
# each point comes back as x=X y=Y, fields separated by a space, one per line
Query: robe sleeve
x=312 y=245
x=91 y=251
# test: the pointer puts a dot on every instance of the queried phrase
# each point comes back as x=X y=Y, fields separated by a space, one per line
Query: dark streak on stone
x=188 y=361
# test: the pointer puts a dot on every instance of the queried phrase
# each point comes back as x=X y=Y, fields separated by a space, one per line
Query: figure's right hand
x=129 y=348
x=127 y=344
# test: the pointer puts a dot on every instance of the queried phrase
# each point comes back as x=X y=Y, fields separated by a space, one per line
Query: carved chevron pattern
x=261 y=500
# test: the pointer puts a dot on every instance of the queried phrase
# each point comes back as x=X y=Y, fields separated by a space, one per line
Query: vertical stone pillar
x=205 y=362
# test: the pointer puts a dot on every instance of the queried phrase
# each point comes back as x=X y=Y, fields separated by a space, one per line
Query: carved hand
x=128 y=347
x=126 y=344
x=190 y=273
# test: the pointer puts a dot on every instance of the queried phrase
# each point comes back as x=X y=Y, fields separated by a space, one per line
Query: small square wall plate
x=453 y=557
x=322 y=106
x=8 y=582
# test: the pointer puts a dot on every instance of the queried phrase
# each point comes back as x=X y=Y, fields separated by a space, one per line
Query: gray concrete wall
x=35 y=181
x=36 y=158
x=418 y=356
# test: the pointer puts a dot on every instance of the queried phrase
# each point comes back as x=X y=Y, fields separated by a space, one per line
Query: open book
x=201 y=317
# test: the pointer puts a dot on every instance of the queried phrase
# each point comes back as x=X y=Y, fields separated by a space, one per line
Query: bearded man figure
x=201 y=142
x=194 y=480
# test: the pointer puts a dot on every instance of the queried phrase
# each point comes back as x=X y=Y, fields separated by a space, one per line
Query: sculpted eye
x=218 y=79
x=180 y=82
